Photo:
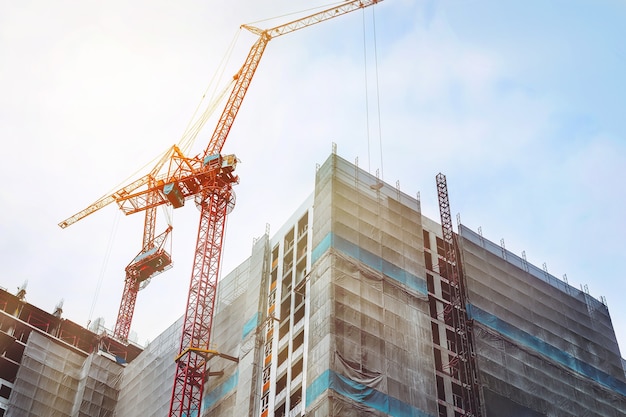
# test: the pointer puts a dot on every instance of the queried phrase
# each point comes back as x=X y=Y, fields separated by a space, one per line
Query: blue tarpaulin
x=375 y=262
x=553 y=353
x=220 y=391
x=360 y=393
x=250 y=325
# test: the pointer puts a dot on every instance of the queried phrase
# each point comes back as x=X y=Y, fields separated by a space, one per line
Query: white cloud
x=91 y=93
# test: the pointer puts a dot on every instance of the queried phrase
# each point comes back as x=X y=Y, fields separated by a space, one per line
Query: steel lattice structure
x=463 y=366
x=194 y=345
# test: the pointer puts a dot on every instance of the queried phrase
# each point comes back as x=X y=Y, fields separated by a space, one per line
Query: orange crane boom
x=119 y=195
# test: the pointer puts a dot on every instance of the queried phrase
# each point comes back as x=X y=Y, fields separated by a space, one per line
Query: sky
x=519 y=104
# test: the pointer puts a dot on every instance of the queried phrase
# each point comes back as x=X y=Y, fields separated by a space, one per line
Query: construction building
x=356 y=306
x=51 y=366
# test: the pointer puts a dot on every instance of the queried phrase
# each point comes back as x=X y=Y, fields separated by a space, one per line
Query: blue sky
x=518 y=103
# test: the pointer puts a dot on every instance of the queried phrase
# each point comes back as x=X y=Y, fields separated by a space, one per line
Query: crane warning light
x=174 y=195
x=149 y=264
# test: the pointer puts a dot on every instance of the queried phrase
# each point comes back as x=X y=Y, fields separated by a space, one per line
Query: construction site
x=359 y=305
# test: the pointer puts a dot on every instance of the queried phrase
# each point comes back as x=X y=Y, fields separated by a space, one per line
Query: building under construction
x=358 y=305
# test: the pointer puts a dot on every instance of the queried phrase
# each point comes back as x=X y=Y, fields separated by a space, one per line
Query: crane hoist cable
x=215 y=200
x=188 y=137
x=133 y=181
x=367 y=100
x=380 y=131
x=136 y=276
x=377 y=92
x=195 y=125
x=105 y=263
x=192 y=131
x=298 y=13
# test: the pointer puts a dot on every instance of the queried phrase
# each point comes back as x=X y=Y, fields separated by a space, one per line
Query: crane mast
x=196 y=335
x=132 y=284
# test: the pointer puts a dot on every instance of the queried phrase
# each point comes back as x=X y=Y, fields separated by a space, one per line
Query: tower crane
x=194 y=347
x=208 y=178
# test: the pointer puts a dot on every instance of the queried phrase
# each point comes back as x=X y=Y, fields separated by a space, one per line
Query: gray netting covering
x=370 y=339
x=47 y=380
x=540 y=343
x=55 y=379
x=234 y=390
x=366 y=343
x=593 y=305
x=544 y=348
x=146 y=386
x=98 y=387
x=231 y=386
x=527 y=379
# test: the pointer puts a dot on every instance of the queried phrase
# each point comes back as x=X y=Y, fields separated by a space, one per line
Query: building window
x=266 y=374
x=296 y=369
x=281 y=384
x=429 y=261
x=5 y=391
x=280 y=411
x=457 y=396
x=298 y=341
x=295 y=399
x=282 y=356
x=284 y=329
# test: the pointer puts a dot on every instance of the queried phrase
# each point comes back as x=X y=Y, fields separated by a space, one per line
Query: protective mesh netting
x=54 y=379
x=370 y=344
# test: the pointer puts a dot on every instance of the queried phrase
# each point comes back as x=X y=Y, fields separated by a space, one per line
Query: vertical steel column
x=191 y=362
